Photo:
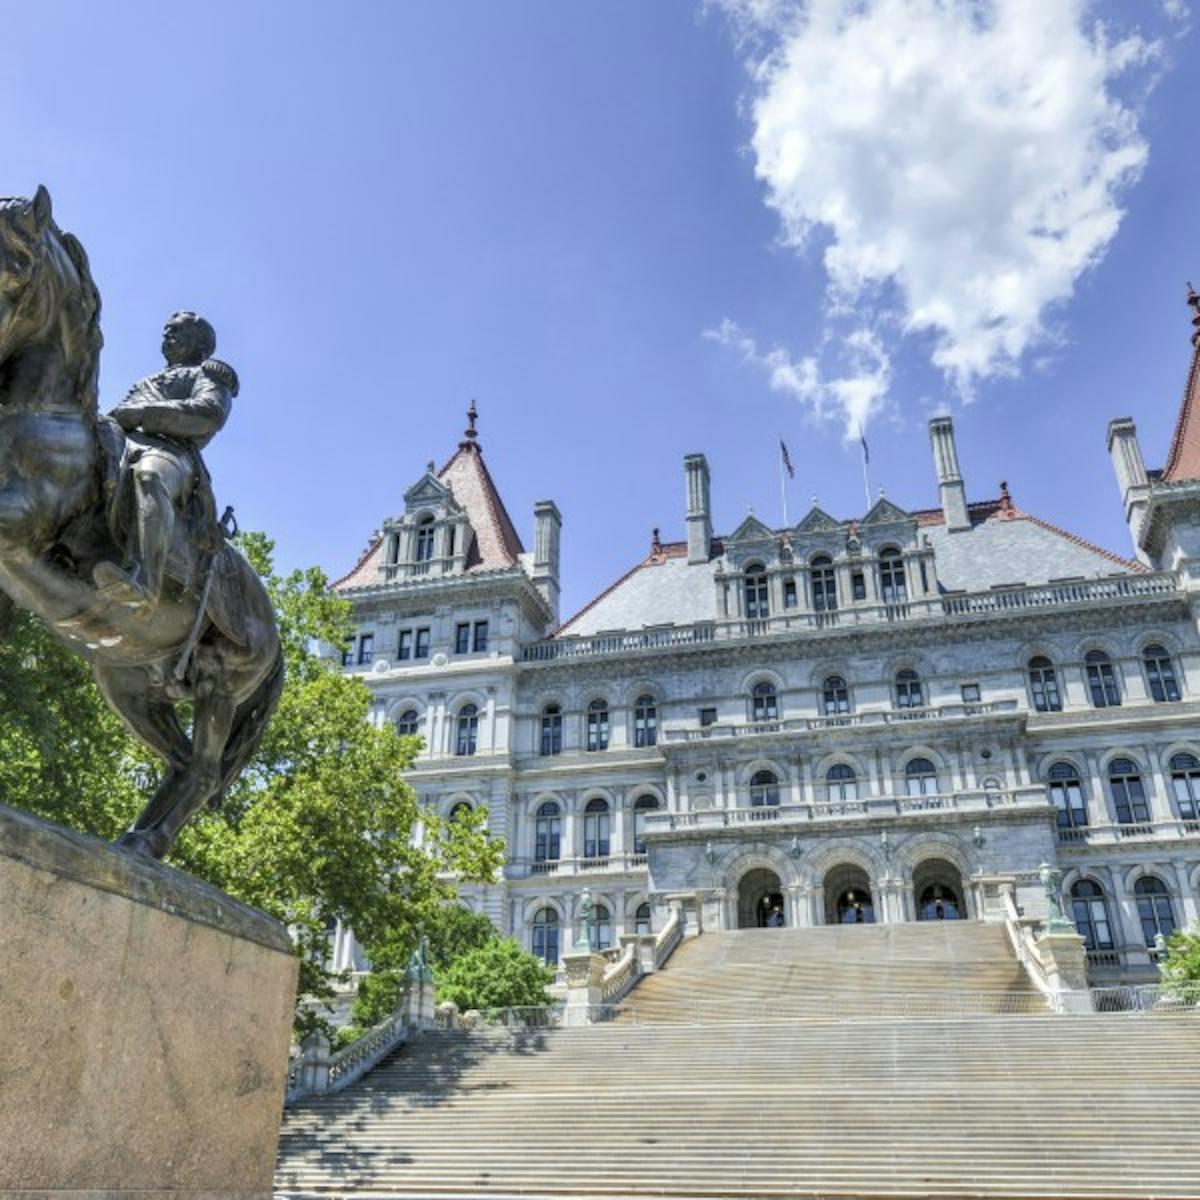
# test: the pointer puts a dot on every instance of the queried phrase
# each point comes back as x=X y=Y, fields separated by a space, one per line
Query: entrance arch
x=938 y=891
x=760 y=899
x=848 y=896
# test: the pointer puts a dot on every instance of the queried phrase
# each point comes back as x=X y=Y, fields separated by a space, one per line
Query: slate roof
x=1003 y=546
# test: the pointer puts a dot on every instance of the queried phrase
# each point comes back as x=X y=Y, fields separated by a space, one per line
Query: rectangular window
x=708 y=716
x=481 y=636
x=858 y=586
x=348 y=654
x=789 y=593
x=366 y=649
x=970 y=693
x=462 y=638
x=404 y=648
x=421 y=650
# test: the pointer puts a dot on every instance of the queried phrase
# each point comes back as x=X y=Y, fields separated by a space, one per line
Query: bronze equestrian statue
x=108 y=530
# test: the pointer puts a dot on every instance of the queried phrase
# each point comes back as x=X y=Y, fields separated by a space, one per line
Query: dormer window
x=424 y=547
x=824 y=584
x=892 y=584
x=758 y=604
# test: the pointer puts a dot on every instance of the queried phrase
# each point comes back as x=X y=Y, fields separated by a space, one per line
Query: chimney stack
x=950 y=483
x=1130 y=468
x=547 y=536
x=699 y=514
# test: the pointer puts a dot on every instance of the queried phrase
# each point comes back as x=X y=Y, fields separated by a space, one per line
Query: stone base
x=146 y=1019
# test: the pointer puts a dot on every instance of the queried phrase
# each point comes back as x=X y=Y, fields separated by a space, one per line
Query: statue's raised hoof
x=143 y=843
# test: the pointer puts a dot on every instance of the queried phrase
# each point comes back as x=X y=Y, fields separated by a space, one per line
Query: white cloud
x=967 y=157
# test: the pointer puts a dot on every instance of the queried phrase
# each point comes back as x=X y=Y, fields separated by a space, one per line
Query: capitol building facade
x=895 y=718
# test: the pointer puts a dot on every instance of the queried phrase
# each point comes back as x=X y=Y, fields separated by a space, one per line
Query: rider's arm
x=197 y=418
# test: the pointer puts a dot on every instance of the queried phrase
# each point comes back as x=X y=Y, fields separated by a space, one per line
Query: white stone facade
x=839 y=720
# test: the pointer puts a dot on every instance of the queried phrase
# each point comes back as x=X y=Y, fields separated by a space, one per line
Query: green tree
x=319 y=826
x=497 y=975
x=1181 y=971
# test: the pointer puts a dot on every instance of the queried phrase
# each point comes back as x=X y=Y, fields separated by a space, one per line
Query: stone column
x=1188 y=915
x=617 y=828
x=1131 y=941
x=314 y=1064
x=1160 y=797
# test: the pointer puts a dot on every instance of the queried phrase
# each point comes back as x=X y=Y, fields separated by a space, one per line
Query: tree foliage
x=1183 y=958
x=497 y=975
x=320 y=826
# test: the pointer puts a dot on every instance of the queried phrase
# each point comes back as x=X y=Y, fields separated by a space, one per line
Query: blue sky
x=632 y=231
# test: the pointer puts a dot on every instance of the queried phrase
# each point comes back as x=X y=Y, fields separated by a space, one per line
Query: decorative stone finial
x=655 y=544
x=1007 y=508
x=472 y=417
x=431 y=467
x=1194 y=300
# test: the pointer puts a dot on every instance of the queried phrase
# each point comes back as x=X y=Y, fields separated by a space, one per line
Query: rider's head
x=188 y=339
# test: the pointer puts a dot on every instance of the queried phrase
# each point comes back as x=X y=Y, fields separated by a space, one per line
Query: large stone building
x=898 y=717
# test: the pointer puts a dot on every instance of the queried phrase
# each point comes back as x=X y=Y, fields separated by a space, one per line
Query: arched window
x=843 y=783
x=600 y=927
x=641 y=918
x=641 y=806
x=921 y=777
x=1129 y=796
x=460 y=811
x=547 y=832
x=758 y=602
x=1154 y=908
x=551 y=742
x=645 y=722
x=1066 y=794
x=1160 y=674
x=407 y=723
x=468 y=730
x=1043 y=685
x=908 y=690
x=892 y=586
x=596 y=825
x=763 y=704
x=1102 y=680
x=1185 y=780
x=764 y=789
x=824 y=584
x=835 y=696
x=1091 y=915
x=424 y=547
x=597 y=725
x=545 y=935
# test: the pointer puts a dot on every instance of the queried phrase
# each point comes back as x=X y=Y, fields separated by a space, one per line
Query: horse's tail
x=249 y=725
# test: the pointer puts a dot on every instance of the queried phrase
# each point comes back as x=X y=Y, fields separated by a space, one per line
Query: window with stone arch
x=460 y=811
x=600 y=930
x=547 y=828
x=1128 y=791
x=424 y=541
x=645 y=721
x=641 y=918
x=1066 y=794
x=835 y=696
x=597 y=725
x=909 y=693
x=597 y=826
x=408 y=723
x=1154 y=908
x=642 y=807
x=1185 y=783
x=467 y=730
x=920 y=777
x=545 y=935
x=764 y=703
x=1090 y=908
x=893 y=587
x=1102 y=680
x=757 y=593
x=841 y=782
x=764 y=789
x=824 y=584
x=1043 y=685
x=552 y=731
x=1160 y=674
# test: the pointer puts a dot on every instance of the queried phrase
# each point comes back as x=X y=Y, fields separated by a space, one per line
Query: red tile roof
x=1183 y=459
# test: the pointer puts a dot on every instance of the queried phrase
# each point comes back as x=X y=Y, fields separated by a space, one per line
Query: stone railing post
x=314 y=1062
x=644 y=950
x=585 y=978
x=418 y=977
x=1061 y=949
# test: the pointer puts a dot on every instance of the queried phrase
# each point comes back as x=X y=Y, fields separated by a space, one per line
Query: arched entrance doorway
x=938 y=891
x=760 y=900
x=848 y=897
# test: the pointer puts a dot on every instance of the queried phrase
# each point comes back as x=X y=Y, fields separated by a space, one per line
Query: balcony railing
x=1116 y=588
x=581 y=865
x=1109 y=833
x=864 y=808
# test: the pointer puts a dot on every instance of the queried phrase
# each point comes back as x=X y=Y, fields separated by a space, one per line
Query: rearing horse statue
x=211 y=638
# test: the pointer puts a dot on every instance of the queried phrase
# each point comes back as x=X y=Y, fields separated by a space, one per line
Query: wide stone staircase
x=733 y=1073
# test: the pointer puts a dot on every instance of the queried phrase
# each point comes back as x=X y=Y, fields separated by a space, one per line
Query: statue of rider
x=169 y=418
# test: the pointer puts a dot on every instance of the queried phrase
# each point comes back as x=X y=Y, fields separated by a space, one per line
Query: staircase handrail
x=621 y=976
x=668 y=938
x=1020 y=934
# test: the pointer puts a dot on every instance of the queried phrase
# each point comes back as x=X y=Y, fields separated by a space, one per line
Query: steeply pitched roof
x=1183 y=459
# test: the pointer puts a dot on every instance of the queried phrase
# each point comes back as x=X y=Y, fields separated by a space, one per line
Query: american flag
x=866 y=452
x=787 y=461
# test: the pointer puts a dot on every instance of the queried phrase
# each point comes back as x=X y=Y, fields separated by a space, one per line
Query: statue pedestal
x=147 y=1019
x=1065 y=963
